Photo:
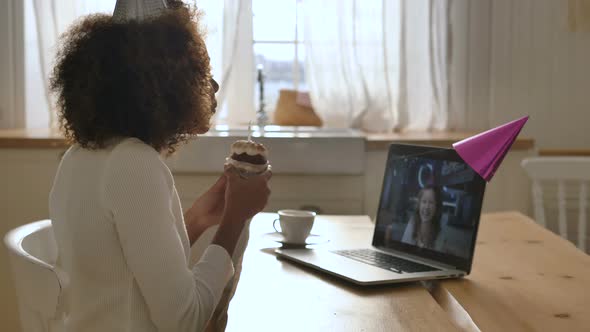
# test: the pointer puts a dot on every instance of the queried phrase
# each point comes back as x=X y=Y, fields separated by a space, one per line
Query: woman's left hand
x=207 y=210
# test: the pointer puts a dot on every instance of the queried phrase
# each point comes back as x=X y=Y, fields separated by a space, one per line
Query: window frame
x=296 y=43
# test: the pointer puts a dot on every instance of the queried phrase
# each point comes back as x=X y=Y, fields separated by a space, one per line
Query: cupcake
x=248 y=157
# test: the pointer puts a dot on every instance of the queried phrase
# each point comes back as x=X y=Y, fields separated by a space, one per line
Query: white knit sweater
x=123 y=249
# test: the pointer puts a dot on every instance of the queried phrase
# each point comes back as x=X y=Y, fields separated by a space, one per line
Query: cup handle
x=275 y=226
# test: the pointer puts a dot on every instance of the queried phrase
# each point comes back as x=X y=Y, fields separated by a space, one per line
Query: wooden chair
x=560 y=170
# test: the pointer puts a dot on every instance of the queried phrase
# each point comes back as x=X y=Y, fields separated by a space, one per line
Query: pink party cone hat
x=484 y=152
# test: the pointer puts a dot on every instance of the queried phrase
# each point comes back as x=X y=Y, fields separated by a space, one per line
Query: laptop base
x=357 y=272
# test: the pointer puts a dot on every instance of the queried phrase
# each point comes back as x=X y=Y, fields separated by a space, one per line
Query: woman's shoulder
x=132 y=156
x=131 y=145
x=131 y=149
x=411 y=223
x=119 y=147
x=408 y=231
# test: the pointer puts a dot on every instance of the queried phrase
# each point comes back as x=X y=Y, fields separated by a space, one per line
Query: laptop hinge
x=417 y=259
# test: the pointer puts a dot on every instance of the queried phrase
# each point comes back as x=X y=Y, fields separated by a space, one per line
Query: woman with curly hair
x=130 y=88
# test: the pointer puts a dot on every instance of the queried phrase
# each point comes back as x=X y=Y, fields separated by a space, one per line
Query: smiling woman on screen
x=423 y=230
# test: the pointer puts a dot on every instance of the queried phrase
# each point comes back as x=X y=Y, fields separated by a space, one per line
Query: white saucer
x=311 y=239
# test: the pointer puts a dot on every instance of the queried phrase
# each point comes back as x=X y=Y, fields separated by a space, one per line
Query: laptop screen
x=430 y=205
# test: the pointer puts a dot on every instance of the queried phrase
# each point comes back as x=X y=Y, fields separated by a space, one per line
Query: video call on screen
x=428 y=203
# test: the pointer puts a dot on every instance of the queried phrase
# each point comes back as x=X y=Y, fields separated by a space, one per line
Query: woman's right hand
x=245 y=197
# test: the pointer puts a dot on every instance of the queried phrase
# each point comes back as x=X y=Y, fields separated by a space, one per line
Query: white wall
x=540 y=67
x=511 y=58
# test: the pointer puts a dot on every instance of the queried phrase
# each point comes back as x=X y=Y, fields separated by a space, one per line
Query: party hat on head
x=484 y=152
x=137 y=9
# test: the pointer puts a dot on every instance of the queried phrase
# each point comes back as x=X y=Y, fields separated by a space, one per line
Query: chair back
x=561 y=171
x=33 y=252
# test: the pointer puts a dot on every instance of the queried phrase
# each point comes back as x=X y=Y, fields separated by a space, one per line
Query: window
x=278 y=48
x=276 y=43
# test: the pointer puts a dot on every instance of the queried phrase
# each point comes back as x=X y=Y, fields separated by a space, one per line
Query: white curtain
x=378 y=64
x=12 y=113
x=45 y=21
x=228 y=27
x=236 y=94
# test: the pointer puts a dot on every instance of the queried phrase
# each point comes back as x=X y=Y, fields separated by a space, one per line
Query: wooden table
x=524 y=279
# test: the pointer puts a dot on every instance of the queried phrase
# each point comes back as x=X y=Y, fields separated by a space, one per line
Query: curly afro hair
x=148 y=79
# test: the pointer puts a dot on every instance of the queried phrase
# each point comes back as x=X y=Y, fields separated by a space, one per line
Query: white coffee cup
x=295 y=225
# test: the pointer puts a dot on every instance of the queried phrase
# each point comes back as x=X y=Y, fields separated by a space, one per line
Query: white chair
x=33 y=252
x=561 y=170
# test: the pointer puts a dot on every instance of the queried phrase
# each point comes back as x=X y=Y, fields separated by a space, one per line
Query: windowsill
x=48 y=139
x=42 y=138
x=435 y=138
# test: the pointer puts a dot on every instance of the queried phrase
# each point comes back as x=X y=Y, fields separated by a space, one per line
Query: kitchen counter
x=50 y=139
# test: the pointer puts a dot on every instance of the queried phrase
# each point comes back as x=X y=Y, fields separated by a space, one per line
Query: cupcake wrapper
x=245 y=174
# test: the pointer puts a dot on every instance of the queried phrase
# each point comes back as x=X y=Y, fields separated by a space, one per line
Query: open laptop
x=426 y=224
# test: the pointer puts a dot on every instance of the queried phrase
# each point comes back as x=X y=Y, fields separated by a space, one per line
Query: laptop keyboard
x=384 y=261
